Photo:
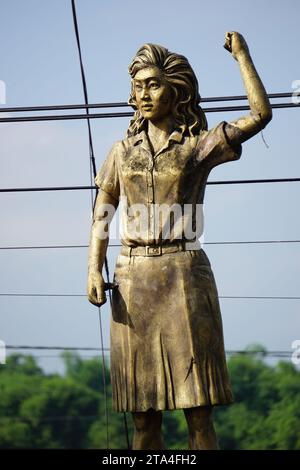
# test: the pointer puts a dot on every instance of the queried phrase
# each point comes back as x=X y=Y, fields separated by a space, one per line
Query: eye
x=138 y=87
x=154 y=85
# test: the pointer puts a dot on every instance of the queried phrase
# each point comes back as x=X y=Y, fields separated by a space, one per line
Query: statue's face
x=152 y=94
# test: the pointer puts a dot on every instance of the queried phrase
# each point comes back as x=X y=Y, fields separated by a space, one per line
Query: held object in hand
x=110 y=285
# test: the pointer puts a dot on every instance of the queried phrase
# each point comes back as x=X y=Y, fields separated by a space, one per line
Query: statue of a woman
x=167 y=349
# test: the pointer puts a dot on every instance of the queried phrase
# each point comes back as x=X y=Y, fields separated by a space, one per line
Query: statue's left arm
x=261 y=111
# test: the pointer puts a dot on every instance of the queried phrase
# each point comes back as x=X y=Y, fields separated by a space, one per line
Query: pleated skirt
x=167 y=347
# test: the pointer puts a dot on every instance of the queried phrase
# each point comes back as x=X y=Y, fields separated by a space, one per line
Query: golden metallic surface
x=167 y=349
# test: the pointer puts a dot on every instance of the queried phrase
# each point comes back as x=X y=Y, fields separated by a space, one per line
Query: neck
x=160 y=129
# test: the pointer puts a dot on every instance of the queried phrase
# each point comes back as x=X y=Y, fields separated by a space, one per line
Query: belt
x=152 y=250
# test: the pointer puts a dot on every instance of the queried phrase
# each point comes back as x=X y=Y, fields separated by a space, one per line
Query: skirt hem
x=181 y=407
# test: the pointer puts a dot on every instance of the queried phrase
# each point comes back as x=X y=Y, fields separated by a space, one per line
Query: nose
x=144 y=93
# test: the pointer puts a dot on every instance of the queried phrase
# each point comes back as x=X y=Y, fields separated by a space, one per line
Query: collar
x=176 y=136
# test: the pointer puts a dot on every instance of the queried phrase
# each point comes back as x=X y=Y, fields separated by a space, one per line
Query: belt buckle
x=153 y=250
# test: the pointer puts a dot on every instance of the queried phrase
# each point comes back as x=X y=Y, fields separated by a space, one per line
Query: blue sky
x=39 y=65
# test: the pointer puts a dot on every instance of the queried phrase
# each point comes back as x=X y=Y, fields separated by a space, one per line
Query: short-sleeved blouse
x=175 y=175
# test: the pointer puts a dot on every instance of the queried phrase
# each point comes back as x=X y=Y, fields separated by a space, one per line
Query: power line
x=284 y=354
x=49 y=188
x=93 y=173
x=254 y=297
x=262 y=353
x=81 y=188
x=56 y=348
x=45 y=247
x=51 y=418
x=87 y=107
x=259 y=297
x=255 y=181
x=111 y=245
x=122 y=104
x=248 y=242
x=62 y=117
x=271 y=353
x=40 y=295
x=62 y=107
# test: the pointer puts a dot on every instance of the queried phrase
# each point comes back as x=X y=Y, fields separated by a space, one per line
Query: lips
x=147 y=107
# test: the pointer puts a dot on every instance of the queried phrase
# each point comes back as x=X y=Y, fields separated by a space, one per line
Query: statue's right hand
x=95 y=288
x=235 y=43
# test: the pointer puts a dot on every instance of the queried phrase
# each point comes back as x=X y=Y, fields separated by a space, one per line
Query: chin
x=148 y=115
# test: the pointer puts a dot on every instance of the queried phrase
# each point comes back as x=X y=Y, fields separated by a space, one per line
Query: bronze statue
x=167 y=349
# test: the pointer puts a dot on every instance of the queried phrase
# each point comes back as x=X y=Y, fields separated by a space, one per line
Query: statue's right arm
x=104 y=210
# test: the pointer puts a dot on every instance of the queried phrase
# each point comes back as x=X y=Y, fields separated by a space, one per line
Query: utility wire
x=62 y=117
x=84 y=87
x=93 y=356
x=4 y=419
x=284 y=354
x=80 y=188
x=56 y=348
x=122 y=104
x=112 y=245
x=93 y=173
x=255 y=297
x=274 y=353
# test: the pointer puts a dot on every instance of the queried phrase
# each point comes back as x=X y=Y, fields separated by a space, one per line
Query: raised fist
x=235 y=44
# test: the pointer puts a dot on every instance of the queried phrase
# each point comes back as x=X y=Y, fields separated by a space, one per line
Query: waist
x=158 y=250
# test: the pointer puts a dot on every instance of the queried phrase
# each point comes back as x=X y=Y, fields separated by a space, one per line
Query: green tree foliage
x=41 y=411
x=53 y=411
x=266 y=413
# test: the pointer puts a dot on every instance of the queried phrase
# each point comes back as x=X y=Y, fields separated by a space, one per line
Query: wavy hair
x=182 y=81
